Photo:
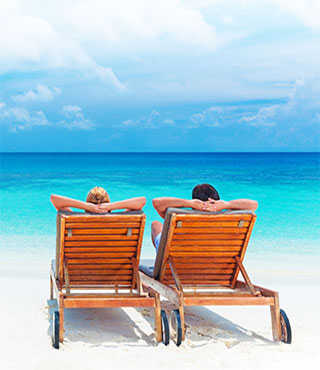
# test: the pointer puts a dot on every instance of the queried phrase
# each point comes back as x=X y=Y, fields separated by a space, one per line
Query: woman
x=97 y=201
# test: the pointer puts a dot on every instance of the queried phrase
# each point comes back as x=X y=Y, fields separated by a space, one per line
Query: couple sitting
x=204 y=198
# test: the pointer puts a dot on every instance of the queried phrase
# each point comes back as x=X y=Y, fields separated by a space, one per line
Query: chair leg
x=157 y=318
x=51 y=288
x=181 y=312
x=61 y=318
x=275 y=318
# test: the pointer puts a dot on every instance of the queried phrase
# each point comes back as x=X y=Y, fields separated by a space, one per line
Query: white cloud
x=152 y=120
x=31 y=39
x=75 y=34
x=41 y=93
x=212 y=117
x=168 y=121
x=226 y=19
x=307 y=11
x=75 y=118
x=20 y=119
x=301 y=109
x=264 y=117
x=132 y=25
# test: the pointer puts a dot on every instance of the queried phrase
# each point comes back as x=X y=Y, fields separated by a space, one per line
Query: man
x=204 y=198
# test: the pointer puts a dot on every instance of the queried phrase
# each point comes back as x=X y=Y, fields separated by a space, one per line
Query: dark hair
x=204 y=192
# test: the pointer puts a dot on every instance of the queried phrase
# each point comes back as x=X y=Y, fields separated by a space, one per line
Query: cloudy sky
x=151 y=75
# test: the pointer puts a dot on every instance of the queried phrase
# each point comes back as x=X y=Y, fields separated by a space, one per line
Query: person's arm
x=133 y=204
x=64 y=203
x=161 y=204
x=237 y=204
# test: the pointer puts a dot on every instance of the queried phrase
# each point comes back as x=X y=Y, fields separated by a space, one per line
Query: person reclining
x=204 y=198
x=97 y=201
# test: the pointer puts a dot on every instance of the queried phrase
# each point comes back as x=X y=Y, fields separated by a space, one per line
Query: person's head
x=204 y=192
x=97 y=195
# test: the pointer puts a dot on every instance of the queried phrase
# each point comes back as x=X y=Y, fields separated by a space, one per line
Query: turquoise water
x=286 y=185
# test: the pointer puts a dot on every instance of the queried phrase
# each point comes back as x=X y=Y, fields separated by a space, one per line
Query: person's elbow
x=143 y=201
x=254 y=205
x=159 y=206
x=53 y=200
x=156 y=202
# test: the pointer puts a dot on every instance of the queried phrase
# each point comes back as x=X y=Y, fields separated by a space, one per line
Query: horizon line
x=168 y=152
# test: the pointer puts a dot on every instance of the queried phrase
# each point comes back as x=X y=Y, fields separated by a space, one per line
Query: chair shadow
x=106 y=327
x=202 y=323
x=110 y=327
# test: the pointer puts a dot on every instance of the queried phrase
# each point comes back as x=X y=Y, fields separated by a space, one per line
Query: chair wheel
x=176 y=327
x=55 y=333
x=286 y=335
x=165 y=328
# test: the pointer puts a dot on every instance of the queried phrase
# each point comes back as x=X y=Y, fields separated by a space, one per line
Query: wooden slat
x=204 y=254
x=227 y=301
x=100 y=243
x=101 y=237
x=99 y=249
x=98 y=266
x=109 y=302
x=116 y=231
x=100 y=272
x=187 y=266
x=227 y=224
x=208 y=236
x=215 y=225
x=202 y=277
x=200 y=259
x=93 y=225
x=234 y=217
x=210 y=230
x=100 y=278
x=204 y=271
x=89 y=284
x=73 y=256
x=102 y=218
x=191 y=282
x=205 y=242
x=205 y=248
x=100 y=260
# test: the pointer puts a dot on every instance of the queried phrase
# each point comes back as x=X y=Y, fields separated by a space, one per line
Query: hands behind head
x=210 y=205
x=98 y=208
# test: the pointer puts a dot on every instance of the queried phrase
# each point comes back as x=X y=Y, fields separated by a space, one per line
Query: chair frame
x=242 y=293
x=113 y=295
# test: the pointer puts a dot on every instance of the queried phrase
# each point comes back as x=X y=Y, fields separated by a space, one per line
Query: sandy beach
x=217 y=337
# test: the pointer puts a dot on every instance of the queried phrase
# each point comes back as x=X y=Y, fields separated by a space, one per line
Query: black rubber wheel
x=165 y=328
x=286 y=335
x=176 y=327
x=55 y=331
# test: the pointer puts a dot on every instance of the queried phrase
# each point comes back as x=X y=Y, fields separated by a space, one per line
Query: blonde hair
x=98 y=195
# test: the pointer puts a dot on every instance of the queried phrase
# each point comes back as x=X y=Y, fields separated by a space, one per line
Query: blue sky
x=170 y=75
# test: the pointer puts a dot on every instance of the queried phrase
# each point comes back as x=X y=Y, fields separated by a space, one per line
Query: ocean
x=286 y=185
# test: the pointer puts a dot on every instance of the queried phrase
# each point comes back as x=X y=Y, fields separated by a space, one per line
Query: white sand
x=217 y=338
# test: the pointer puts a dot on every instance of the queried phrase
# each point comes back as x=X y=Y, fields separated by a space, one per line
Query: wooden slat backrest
x=203 y=248
x=98 y=249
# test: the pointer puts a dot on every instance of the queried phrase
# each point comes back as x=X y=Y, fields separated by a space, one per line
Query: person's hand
x=103 y=207
x=197 y=204
x=212 y=205
x=92 y=208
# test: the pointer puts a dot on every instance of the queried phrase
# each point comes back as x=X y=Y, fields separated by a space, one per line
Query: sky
x=151 y=75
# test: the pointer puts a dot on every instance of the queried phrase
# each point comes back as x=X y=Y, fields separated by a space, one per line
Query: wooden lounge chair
x=97 y=259
x=199 y=258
